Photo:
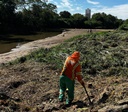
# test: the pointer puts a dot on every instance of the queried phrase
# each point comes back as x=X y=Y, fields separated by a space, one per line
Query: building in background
x=88 y=13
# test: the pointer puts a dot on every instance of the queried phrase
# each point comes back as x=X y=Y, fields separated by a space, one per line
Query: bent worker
x=71 y=71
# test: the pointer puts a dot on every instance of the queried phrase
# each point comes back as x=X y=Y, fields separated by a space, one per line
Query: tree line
x=26 y=16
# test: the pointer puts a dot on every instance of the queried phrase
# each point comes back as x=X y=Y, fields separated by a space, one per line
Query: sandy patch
x=46 y=43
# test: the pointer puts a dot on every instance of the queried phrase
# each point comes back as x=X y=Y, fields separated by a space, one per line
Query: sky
x=117 y=8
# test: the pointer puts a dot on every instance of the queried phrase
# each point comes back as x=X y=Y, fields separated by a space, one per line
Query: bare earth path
x=46 y=43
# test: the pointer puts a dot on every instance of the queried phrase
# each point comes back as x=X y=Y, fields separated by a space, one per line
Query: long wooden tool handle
x=87 y=95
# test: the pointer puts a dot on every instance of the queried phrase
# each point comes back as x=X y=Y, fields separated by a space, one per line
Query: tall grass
x=102 y=53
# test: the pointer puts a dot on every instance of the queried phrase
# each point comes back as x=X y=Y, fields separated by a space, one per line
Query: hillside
x=31 y=82
x=48 y=42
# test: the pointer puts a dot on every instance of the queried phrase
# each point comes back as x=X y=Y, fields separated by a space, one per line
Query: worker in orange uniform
x=71 y=71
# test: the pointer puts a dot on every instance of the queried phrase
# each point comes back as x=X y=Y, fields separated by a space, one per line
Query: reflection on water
x=7 y=42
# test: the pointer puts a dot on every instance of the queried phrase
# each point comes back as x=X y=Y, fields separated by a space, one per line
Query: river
x=8 y=42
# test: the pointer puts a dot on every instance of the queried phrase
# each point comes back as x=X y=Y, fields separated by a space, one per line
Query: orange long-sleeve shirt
x=72 y=69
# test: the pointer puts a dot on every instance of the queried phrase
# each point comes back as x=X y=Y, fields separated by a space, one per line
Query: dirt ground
x=34 y=86
x=45 y=43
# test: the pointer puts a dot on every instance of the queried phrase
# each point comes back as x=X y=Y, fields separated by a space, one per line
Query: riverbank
x=34 y=45
x=33 y=85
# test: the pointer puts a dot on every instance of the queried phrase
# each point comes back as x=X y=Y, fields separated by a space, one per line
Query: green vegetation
x=102 y=53
x=124 y=26
x=30 y=16
x=32 y=84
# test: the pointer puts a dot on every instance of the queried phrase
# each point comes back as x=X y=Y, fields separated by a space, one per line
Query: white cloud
x=66 y=3
x=79 y=8
x=50 y=0
x=92 y=2
x=63 y=5
x=58 y=6
x=120 y=11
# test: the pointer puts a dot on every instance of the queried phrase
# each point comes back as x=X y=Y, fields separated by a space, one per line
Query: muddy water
x=8 y=42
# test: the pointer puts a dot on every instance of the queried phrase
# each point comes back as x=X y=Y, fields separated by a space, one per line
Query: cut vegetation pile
x=31 y=83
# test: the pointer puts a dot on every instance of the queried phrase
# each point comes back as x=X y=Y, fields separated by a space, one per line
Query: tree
x=78 y=20
x=106 y=21
x=100 y=17
x=7 y=14
x=44 y=16
x=26 y=4
x=64 y=19
x=124 y=26
x=65 y=14
x=92 y=24
x=51 y=7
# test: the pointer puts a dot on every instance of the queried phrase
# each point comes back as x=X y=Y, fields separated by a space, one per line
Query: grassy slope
x=34 y=84
x=102 y=53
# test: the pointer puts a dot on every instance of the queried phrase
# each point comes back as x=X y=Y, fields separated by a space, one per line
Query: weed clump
x=102 y=53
